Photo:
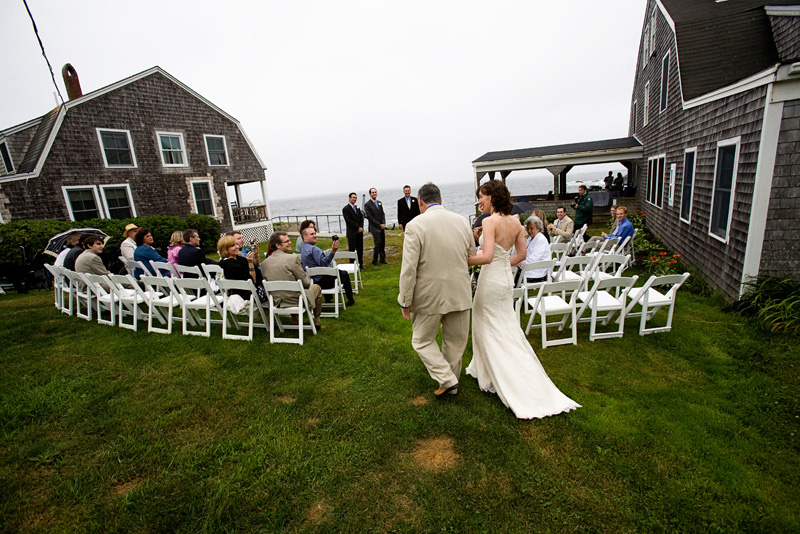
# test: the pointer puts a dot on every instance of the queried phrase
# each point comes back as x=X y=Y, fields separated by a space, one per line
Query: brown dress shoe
x=452 y=390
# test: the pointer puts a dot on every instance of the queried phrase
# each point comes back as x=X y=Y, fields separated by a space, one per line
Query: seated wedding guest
x=190 y=254
x=175 y=243
x=312 y=256
x=236 y=267
x=308 y=223
x=624 y=226
x=614 y=224
x=542 y=217
x=538 y=249
x=89 y=261
x=73 y=240
x=145 y=253
x=74 y=252
x=563 y=225
x=283 y=266
x=128 y=246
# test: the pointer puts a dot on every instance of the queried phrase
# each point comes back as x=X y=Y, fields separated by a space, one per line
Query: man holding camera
x=583 y=207
x=312 y=256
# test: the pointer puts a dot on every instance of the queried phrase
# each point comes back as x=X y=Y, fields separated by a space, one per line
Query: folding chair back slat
x=276 y=311
x=226 y=286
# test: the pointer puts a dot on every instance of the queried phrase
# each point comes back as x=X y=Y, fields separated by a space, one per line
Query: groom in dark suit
x=377 y=223
x=407 y=208
x=354 y=219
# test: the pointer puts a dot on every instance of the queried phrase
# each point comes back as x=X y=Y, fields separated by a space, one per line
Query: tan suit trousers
x=444 y=365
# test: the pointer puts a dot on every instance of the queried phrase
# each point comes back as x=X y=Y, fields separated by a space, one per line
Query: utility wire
x=36 y=31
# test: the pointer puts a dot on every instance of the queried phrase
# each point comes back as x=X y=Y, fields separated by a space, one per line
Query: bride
x=503 y=360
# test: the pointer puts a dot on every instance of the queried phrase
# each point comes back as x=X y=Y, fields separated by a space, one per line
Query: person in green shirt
x=583 y=207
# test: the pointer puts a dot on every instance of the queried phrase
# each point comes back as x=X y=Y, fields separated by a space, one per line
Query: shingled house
x=716 y=104
x=145 y=145
x=714 y=137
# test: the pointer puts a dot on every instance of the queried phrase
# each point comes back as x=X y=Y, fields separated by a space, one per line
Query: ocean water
x=456 y=197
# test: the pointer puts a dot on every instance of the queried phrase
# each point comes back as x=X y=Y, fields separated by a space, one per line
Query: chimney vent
x=72 y=82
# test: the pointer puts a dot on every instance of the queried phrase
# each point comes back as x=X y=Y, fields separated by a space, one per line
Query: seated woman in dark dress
x=236 y=267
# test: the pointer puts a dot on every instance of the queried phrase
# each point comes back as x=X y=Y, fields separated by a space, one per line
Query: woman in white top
x=129 y=245
x=538 y=248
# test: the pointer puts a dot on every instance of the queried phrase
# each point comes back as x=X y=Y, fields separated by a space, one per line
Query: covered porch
x=559 y=160
x=253 y=211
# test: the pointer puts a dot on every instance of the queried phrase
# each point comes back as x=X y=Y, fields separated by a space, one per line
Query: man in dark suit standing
x=377 y=223
x=354 y=219
x=407 y=208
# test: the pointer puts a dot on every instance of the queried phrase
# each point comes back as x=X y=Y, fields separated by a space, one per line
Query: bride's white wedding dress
x=502 y=359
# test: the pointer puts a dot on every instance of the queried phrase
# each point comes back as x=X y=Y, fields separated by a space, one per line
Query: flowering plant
x=662 y=264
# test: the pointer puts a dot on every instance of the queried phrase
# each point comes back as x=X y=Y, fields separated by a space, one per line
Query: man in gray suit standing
x=435 y=287
x=377 y=222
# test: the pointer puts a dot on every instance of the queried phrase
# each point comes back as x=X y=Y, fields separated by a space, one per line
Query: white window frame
x=663 y=97
x=735 y=141
x=183 y=149
x=653 y=26
x=10 y=159
x=65 y=189
x=224 y=145
x=635 y=110
x=127 y=187
x=691 y=188
x=655 y=196
x=103 y=148
x=211 y=192
x=671 y=184
x=646 y=109
x=646 y=46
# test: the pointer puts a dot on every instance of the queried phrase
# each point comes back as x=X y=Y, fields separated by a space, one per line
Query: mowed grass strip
x=110 y=430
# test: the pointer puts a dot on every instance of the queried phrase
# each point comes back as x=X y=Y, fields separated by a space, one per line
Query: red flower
x=654 y=259
x=662 y=253
x=676 y=255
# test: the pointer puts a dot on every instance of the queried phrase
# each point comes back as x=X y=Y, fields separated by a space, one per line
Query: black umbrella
x=522 y=207
x=57 y=242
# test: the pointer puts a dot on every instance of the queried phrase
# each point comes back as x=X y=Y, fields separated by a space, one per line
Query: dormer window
x=6 y=155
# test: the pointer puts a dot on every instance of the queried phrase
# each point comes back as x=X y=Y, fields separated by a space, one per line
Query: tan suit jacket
x=567 y=228
x=434 y=278
x=287 y=268
x=89 y=262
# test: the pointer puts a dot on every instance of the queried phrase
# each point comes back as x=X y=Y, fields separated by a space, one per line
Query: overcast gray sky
x=348 y=94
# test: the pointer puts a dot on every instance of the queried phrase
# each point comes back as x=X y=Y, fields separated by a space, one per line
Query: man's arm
x=408 y=271
x=299 y=272
x=372 y=215
x=401 y=219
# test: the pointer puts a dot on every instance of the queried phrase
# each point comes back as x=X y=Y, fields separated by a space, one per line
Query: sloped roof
x=572 y=148
x=721 y=43
x=38 y=142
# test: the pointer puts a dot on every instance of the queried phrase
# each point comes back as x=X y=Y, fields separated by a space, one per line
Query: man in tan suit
x=435 y=287
x=283 y=266
x=564 y=226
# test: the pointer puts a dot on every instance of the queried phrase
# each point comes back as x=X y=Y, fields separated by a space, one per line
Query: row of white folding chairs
x=118 y=299
x=610 y=297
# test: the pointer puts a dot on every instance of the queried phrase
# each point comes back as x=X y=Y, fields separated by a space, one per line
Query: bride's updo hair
x=501 y=198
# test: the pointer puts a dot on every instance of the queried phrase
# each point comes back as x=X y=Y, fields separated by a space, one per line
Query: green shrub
x=207 y=227
x=775 y=302
x=31 y=234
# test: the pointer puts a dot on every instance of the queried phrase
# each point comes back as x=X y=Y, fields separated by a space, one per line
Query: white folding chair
x=337 y=291
x=58 y=285
x=162 y=294
x=610 y=266
x=588 y=248
x=651 y=300
x=526 y=286
x=132 y=265
x=577 y=240
x=555 y=298
x=160 y=266
x=576 y=268
x=129 y=299
x=619 y=246
x=558 y=251
x=226 y=286
x=276 y=311
x=353 y=269
x=82 y=295
x=211 y=271
x=190 y=269
x=194 y=307
x=601 y=300
x=103 y=297
x=627 y=247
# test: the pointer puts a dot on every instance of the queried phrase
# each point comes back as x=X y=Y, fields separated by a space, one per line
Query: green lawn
x=106 y=430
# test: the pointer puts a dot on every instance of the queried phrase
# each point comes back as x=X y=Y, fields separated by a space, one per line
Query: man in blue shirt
x=624 y=226
x=312 y=256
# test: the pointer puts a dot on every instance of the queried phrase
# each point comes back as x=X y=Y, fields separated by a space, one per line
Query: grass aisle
x=110 y=430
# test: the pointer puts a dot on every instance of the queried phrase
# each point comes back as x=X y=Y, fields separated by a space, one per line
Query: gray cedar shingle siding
x=785 y=30
x=781 y=247
x=143 y=107
x=17 y=144
x=674 y=130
